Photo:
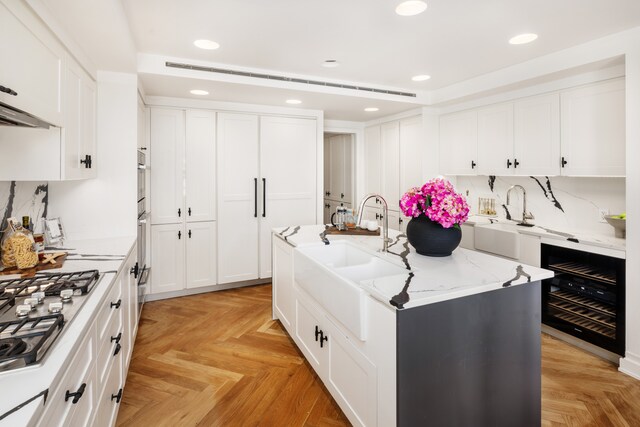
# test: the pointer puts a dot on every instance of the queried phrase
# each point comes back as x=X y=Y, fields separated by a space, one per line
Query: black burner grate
x=22 y=340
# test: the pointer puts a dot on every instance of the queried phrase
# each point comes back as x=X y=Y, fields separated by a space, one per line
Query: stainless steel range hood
x=10 y=116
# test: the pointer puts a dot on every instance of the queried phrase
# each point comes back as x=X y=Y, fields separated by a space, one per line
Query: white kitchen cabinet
x=32 y=63
x=167 y=129
x=459 y=143
x=238 y=188
x=390 y=135
x=593 y=129
x=373 y=162
x=326 y=211
x=167 y=258
x=495 y=140
x=283 y=296
x=340 y=168
x=200 y=176
x=536 y=129
x=201 y=254
x=309 y=334
x=326 y=166
x=411 y=154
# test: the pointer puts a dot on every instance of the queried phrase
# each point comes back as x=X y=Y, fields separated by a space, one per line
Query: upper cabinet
x=199 y=175
x=593 y=130
x=339 y=167
x=577 y=132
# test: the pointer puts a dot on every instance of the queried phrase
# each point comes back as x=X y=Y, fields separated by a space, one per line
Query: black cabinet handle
x=179 y=234
x=8 y=90
x=323 y=338
x=76 y=396
x=255 y=197
x=189 y=211
x=189 y=233
x=135 y=270
x=117 y=350
x=86 y=161
x=563 y=162
x=264 y=197
x=508 y=163
x=342 y=195
x=400 y=221
x=318 y=332
x=515 y=163
x=328 y=193
x=377 y=216
x=116 y=305
x=179 y=212
x=117 y=397
x=473 y=164
x=117 y=338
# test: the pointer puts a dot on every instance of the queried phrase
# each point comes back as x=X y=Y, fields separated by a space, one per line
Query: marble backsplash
x=20 y=198
x=562 y=203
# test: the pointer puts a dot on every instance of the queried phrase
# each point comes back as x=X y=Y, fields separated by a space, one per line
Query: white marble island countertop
x=428 y=280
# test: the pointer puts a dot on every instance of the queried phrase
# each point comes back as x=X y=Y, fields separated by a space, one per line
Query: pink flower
x=438 y=200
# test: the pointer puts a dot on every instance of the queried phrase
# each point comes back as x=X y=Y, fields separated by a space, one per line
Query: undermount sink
x=499 y=239
x=331 y=275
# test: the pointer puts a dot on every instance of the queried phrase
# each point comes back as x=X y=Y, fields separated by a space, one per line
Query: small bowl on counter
x=618 y=224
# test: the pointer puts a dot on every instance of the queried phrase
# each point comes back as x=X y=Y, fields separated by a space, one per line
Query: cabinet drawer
x=109 y=401
x=306 y=323
x=79 y=377
x=110 y=348
x=112 y=306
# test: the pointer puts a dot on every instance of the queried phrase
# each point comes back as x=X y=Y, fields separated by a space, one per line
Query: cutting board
x=30 y=272
x=353 y=232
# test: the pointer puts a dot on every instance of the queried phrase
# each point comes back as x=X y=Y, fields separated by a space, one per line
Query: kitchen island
x=403 y=339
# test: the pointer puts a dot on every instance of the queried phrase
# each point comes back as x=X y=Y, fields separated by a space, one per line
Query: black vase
x=432 y=239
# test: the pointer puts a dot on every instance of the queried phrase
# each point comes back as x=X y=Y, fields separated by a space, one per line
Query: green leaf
x=457 y=226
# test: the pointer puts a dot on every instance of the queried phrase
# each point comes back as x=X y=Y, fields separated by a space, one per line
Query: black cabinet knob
x=189 y=211
x=563 y=162
x=189 y=233
x=509 y=163
x=473 y=164
x=86 y=161
x=117 y=397
x=179 y=234
x=318 y=332
x=179 y=212
x=515 y=163
x=117 y=350
x=117 y=338
x=116 y=304
x=76 y=395
x=135 y=270
x=323 y=338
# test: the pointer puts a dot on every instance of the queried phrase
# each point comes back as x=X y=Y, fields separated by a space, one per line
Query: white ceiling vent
x=285 y=79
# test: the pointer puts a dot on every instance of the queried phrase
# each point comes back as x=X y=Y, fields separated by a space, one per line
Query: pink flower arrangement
x=438 y=200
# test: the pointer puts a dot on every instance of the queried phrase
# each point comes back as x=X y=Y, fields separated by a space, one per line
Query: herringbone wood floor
x=218 y=359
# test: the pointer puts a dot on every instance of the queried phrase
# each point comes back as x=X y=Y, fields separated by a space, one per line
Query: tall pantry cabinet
x=266 y=178
x=183 y=199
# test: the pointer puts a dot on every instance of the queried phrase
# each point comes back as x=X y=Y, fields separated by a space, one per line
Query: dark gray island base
x=471 y=361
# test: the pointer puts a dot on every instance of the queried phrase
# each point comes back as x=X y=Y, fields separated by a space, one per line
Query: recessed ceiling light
x=199 y=92
x=420 y=78
x=330 y=63
x=294 y=101
x=206 y=44
x=411 y=7
x=371 y=109
x=523 y=38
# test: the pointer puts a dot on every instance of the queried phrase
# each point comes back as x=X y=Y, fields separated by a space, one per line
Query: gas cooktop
x=34 y=311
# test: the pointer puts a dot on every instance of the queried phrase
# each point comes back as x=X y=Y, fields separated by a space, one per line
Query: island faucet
x=385 y=219
x=525 y=215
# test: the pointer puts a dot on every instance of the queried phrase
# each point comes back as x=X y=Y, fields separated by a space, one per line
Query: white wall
x=105 y=206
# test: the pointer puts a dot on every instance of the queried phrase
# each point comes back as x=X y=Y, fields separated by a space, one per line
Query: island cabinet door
x=352 y=379
x=283 y=297
x=310 y=335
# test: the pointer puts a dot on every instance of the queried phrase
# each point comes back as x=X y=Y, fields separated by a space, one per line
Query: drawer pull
x=117 y=397
x=117 y=350
x=117 y=338
x=76 y=396
x=116 y=305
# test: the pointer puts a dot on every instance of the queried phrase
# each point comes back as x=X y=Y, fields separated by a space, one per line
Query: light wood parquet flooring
x=218 y=359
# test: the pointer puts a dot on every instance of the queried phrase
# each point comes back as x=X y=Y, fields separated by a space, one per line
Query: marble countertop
x=428 y=279
x=105 y=255
x=583 y=238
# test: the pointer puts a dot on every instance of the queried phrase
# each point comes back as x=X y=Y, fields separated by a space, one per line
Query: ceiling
x=453 y=41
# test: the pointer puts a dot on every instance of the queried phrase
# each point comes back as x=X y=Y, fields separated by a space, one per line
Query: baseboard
x=577 y=342
x=204 y=290
x=630 y=365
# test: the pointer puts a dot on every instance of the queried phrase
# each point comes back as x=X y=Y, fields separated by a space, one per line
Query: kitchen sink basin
x=331 y=274
x=499 y=239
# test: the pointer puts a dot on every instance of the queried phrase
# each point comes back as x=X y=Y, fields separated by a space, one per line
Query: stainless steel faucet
x=385 y=218
x=525 y=215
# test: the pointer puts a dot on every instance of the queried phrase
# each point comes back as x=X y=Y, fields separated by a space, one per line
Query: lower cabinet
x=90 y=390
x=183 y=256
x=283 y=299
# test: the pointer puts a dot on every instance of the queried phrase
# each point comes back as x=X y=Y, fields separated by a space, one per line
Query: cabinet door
x=390 y=134
x=347 y=188
x=200 y=171
x=411 y=142
x=537 y=135
x=288 y=169
x=238 y=197
x=32 y=64
x=167 y=258
x=593 y=129
x=327 y=211
x=372 y=162
x=327 y=166
x=167 y=166
x=495 y=140
x=336 y=155
x=283 y=295
x=201 y=258
x=88 y=128
x=308 y=325
x=459 y=143
x=394 y=220
x=72 y=130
